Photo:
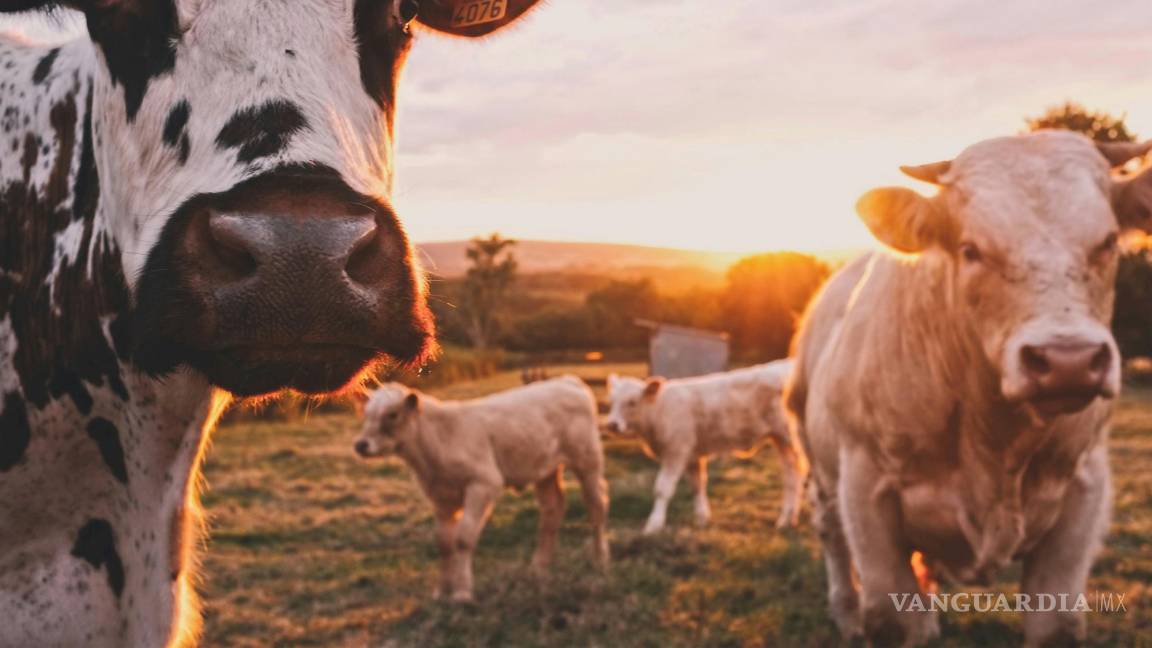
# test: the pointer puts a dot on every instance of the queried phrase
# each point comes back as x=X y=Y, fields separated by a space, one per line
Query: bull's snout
x=613 y=427
x=1066 y=368
x=1064 y=375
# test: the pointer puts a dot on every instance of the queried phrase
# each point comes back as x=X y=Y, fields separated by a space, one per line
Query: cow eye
x=970 y=252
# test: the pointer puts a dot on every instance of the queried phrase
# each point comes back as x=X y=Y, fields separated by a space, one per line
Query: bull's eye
x=970 y=253
x=1106 y=247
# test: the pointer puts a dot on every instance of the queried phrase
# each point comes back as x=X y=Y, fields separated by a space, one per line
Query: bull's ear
x=1132 y=201
x=902 y=219
x=1120 y=153
x=469 y=17
x=653 y=386
x=412 y=400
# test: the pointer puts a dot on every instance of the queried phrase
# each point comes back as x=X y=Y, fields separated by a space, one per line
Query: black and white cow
x=193 y=203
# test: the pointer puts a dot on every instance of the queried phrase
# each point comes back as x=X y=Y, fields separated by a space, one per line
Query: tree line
x=758 y=305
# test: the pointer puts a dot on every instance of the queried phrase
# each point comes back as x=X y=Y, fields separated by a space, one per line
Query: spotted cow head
x=244 y=150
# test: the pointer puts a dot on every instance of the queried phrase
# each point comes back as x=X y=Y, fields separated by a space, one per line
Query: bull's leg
x=478 y=498
x=446 y=522
x=843 y=599
x=794 y=470
x=666 y=480
x=1060 y=564
x=870 y=511
x=698 y=477
x=594 y=490
x=550 y=497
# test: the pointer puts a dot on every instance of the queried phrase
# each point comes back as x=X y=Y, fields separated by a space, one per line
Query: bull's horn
x=1119 y=153
x=928 y=172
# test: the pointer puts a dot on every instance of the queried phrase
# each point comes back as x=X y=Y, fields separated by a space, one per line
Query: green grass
x=310 y=546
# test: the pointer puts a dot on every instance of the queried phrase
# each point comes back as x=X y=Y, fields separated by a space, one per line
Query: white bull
x=955 y=400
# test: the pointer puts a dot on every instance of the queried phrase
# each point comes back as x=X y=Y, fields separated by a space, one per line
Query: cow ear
x=653 y=386
x=470 y=17
x=412 y=401
x=903 y=219
x=1132 y=201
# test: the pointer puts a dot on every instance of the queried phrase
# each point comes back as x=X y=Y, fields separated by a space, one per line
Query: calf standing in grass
x=464 y=453
x=683 y=422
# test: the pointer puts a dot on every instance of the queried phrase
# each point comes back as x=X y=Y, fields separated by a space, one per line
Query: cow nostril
x=1101 y=359
x=361 y=447
x=229 y=248
x=368 y=262
x=1034 y=360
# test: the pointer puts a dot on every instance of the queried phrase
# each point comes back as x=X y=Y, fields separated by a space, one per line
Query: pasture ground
x=311 y=546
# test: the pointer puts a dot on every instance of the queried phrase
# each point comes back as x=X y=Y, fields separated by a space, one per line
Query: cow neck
x=991 y=442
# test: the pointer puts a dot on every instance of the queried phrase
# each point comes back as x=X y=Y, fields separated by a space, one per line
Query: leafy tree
x=764 y=297
x=615 y=308
x=1098 y=125
x=492 y=272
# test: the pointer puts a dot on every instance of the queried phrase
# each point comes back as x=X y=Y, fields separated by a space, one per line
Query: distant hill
x=446 y=259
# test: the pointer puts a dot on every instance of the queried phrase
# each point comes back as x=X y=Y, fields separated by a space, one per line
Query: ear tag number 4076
x=479 y=12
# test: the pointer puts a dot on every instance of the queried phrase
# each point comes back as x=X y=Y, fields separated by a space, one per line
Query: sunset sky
x=739 y=125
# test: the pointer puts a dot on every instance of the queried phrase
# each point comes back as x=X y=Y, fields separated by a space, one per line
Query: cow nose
x=613 y=427
x=362 y=448
x=246 y=244
x=1066 y=368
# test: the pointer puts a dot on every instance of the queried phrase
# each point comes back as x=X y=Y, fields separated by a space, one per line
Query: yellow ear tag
x=479 y=12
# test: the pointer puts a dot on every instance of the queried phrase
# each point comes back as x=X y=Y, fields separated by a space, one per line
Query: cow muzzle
x=1061 y=374
x=299 y=288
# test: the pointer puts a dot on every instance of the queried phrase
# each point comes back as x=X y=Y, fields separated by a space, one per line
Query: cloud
x=595 y=119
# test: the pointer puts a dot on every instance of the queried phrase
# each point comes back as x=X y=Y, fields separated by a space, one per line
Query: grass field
x=311 y=546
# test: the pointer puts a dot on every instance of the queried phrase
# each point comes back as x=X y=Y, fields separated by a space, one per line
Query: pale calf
x=684 y=422
x=464 y=453
x=955 y=400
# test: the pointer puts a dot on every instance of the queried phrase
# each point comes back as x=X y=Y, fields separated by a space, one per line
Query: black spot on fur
x=138 y=39
x=15 y=432
x=176 y=121
x=45 y=66
x=107 y=438
x=64 y=381
x=96 y=544
x=61 y=346
x=175 y=133
x=261 y=131
x=382 y=48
